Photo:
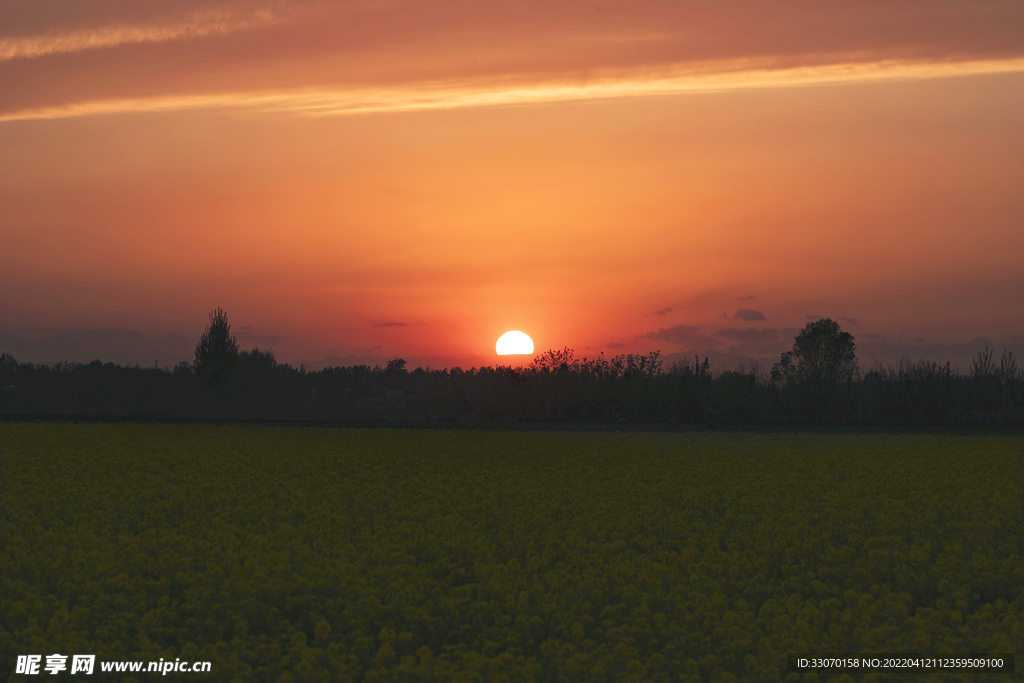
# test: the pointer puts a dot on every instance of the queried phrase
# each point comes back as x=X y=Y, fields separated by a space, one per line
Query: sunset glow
x=354 y=182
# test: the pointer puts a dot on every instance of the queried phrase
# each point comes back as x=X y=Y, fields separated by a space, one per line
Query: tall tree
x=217 y=351
x=823 y=356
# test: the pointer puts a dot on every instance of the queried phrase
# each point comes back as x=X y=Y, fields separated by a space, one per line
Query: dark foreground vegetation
x=284 y=555
x=818 y=382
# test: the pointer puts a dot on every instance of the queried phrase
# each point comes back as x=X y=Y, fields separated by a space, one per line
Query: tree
x=217 y=351
x=823 y=356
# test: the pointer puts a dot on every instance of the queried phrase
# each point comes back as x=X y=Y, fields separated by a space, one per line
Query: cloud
x=332 y=58
x=663 y=311
x=614 y=345
x=749 y=315
x=199 y=25
x=849 y=321
x=749 y=297
x=815 y=318
x=677 y=334
x=320 y=101
x=748 y=335
x=392 y=325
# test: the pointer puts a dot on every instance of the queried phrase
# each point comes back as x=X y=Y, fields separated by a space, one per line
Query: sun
x=514 y=342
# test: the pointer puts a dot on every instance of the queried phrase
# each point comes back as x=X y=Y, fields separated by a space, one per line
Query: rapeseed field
x=298 y=554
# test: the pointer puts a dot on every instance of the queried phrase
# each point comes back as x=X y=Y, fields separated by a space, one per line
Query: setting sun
x=514 y=342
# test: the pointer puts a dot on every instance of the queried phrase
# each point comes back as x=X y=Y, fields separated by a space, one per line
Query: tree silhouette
x=823 y=356
x=217 y=351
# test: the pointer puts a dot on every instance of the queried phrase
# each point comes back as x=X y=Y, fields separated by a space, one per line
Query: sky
x=357 y=181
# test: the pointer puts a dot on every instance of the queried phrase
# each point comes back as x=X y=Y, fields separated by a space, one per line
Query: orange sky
x=690 y=177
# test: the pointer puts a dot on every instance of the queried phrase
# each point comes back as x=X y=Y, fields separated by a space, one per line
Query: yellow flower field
x=300 y=554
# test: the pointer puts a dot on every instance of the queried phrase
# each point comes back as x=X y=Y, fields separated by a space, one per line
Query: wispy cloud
x=712 y=77
x=664 y=311
x=200 y=25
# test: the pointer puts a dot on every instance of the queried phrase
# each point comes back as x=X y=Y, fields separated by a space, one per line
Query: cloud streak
x=330 y=58
x=200 y=25
x=446 y=95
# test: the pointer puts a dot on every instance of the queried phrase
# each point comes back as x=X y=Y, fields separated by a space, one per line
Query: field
x=300 y=554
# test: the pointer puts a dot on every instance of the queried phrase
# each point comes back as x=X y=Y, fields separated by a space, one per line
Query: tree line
x=817 y=382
